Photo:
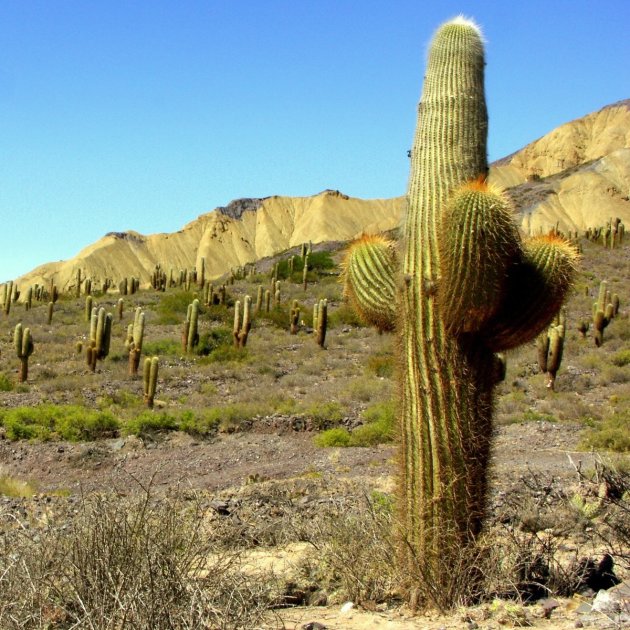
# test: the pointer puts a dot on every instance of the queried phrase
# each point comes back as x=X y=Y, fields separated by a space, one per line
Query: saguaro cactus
x=550 y=349
x=242 y=326
x=294 y=318
x=135 y=338
x=322 y=323
x=150 y=374
x=24 y=347
x=100 y=337
x=190 y=332
x=469 y=288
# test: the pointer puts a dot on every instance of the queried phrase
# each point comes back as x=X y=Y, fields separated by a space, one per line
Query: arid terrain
x=281 y=457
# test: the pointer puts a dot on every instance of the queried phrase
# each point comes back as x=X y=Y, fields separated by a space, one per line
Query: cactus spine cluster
x=24 y=347
x=469 y=288
x=149 y=377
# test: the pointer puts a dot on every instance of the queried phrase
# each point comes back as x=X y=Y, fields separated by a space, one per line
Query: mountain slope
x=242 y=232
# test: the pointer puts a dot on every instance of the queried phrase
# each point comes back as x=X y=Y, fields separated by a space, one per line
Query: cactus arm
x=369 y=277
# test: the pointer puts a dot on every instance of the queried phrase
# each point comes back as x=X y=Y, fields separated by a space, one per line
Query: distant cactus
x=7 y=297
x=243 y=325
x=120 y=306
x=550 y=350
x=51 y=308
x=79 y=280
x=88 y=307
x=190 y=332
x=259 y=299
x=28 y=302
x=267 y=300
x=100 y=337
x=150 y=375
x=24 y=347
x=305 y=272
x=135 y=339
x=294 y=318
x=583 y=326
x=322 y=323
x=202 y=273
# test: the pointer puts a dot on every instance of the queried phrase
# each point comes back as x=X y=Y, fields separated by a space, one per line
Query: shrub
x=381 y=365
x=68 y=422
x=337 y=436
x=12 y=487
x=173 y=306
x=149 y=423
x=611 y=434
x=379 y=428
x=6 y=384
x=622 y=358
x=325 y=414
x=161 y=347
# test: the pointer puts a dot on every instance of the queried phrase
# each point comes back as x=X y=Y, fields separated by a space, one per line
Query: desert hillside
x=242 y=232
x=578 y=175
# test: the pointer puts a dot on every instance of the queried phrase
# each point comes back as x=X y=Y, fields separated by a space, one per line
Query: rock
x=548 y=606
x=347 y=607
x=614 y=600
x=314 y=625
x=220 y=507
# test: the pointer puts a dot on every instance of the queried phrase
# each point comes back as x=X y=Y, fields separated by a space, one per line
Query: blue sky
x=144 y=114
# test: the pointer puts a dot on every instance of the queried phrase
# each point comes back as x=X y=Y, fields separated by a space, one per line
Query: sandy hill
x=577 y=175
x=242 y=232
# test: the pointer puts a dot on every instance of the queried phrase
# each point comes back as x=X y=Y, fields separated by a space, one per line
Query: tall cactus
x=243 y=325
x=468 y=288
x=135 y=339
x=100 y=337
x=24 y=347
x=190 y=332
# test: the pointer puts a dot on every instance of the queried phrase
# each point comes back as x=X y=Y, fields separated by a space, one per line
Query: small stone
x=548 y=606
x=314 y=625
x=347 y=607
x=579 y=624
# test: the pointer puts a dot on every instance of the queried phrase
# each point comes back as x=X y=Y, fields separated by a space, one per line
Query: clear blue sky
x=118 y=115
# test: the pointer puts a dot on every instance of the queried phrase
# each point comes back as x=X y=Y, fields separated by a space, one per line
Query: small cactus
x=88 y=307
x=150 y=375
x=322 y=322
x=51 y=308
x=305 y=272
x=294 y=318
x=24 y=347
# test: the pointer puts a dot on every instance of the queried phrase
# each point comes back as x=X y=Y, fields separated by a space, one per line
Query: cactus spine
x=24 y=347
x=448 y=334
x=149 y=377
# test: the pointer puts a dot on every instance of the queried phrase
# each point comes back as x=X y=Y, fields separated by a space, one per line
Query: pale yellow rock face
x=588 y=163
x=224 y=242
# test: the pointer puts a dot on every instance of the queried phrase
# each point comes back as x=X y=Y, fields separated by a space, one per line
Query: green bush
x=173 y=307
x=611 y=434
x=149 y=423
x=381 y=365
x=67 y=422
x=161 y=347
x=378 y=428
x=325 y=414
x=337 y=436
x=622 y=358
x=6 y=384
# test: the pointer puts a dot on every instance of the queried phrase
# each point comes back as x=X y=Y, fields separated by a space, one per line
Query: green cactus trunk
x=469 y=288
x=446 y=394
